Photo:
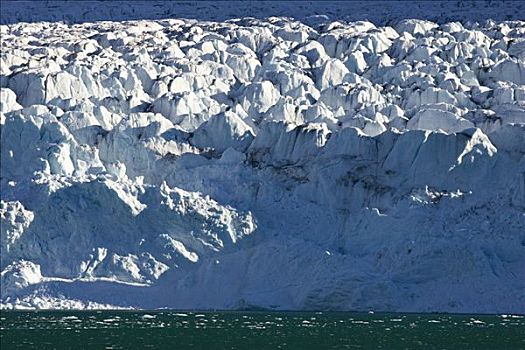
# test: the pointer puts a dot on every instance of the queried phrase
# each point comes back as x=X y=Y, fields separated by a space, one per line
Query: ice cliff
x=268 y=163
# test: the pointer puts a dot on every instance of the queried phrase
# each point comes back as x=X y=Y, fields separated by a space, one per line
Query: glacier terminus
x=274 y=163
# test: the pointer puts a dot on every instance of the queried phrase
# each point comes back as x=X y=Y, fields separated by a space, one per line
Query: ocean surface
x=257 y=330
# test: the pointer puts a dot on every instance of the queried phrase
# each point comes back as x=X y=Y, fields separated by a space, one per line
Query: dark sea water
x=257 y=330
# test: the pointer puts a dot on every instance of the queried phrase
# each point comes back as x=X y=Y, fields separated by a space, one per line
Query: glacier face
x=263 y=163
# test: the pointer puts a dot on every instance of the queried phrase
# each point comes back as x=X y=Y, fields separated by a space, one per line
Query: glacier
x=277 y=163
